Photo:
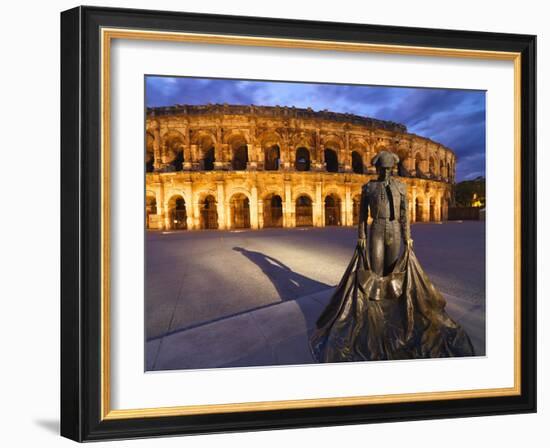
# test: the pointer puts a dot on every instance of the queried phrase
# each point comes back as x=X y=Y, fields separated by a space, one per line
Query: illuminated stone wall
x=224 y=167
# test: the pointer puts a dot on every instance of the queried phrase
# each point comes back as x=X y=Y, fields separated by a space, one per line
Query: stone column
x=227 y=213
x=187 y=165
x=254 y=207
x=157 y=162
x=260 y=214
x=282 y=156
x=290 y=163
x=218 y=157
x=195 y=160
x=161 y=208
x=188 y=190
x=437 y=208
x=289 y=208
x=409 y=164
x=413 y=201
x=346 y=156
x=318 y=209
x=252 y=157
x=220 y=204
x=348 y=221
x=425 y=166
x=426 y=209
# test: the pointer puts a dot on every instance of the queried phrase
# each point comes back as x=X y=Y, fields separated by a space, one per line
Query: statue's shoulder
x=368 y=186
x=401 y=186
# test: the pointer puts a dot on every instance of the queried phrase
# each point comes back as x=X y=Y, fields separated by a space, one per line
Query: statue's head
x=384 y=162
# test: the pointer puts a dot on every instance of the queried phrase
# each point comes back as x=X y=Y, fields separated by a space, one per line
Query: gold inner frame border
x=107 y=35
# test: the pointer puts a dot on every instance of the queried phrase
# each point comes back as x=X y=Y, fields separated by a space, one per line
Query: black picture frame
x=81 y=214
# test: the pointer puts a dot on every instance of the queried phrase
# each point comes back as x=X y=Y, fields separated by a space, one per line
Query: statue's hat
x=385 y=159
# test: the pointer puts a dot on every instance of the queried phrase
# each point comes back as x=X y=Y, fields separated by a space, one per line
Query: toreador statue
x=386 y=198
x=385 y=306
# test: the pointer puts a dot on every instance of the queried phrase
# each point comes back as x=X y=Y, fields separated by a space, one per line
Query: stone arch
x=303 y=139
x=431 y=166
x=273 y=210
x=303 y=159
x=331 y=160
x=208 y=211
x=238 y=144
x=357 y=163
x=418 y=209
x=271 y=143
x=273 y=190
x=304 y=210
x=333 y=210
x=177 y=212
x=333 y=141
x=239 y=211
x=272 y=158
x=418 y=164
x=205 y=142
x=173 y=143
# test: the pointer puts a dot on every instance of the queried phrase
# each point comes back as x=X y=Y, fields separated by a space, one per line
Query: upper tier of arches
x=240 y=139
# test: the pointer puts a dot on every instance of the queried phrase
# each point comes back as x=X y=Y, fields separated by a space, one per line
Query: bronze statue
x=385 y=306
x=386 y=198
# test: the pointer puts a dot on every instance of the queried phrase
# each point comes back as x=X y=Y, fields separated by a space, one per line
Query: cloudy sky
x=455 y=118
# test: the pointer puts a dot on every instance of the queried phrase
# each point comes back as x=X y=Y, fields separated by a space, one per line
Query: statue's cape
x=398 y=316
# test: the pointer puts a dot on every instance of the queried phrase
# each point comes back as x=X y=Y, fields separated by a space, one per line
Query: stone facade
x=227 y=167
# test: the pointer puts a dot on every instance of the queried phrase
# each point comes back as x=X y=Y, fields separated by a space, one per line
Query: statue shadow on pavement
x=289 y=284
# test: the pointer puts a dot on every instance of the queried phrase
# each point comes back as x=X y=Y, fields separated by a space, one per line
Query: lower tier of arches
x=235 y=203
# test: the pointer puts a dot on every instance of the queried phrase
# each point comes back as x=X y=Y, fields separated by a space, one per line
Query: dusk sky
x=455 y=118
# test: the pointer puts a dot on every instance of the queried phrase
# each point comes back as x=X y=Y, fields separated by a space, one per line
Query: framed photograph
x=274 y=223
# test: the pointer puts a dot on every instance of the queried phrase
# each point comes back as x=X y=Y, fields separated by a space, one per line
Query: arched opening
x=273 y=211
x=332 y=210
x=432 y=210
x=208 y=213
x=240 y=211
x=304 y=211
x=240 y=158
x=149 y=154
x=209 y=159
x=149 y=162
x=418 y=210
x=417 y=162
x=357 y=163
x=303 y=162
x=177 y=162
x=432 y=166
x=356 y=205
x=177 y=213
x=449 y=172
x=442 y=209
x=272 y=157
x=331 y=160
x=150 y=209
x=173 y=143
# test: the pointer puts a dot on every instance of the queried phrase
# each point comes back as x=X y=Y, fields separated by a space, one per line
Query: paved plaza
x=251 y=297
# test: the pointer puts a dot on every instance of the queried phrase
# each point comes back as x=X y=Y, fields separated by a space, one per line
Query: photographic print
x=291 y=223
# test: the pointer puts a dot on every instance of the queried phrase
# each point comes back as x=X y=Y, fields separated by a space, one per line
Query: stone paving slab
x=273 y=335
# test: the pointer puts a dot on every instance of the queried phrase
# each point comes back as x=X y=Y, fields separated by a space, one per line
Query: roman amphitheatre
x=220 y=166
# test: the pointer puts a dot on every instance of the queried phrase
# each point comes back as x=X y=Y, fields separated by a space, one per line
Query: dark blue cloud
x=455 y=118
